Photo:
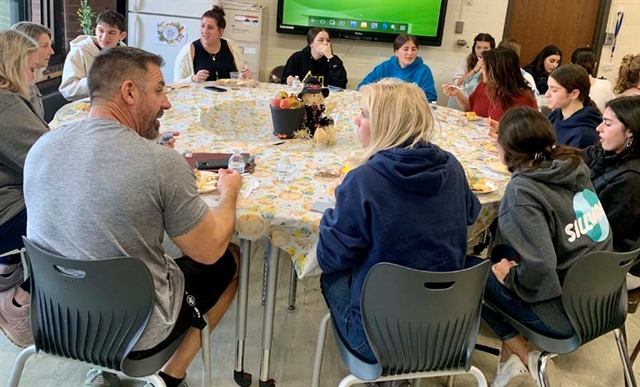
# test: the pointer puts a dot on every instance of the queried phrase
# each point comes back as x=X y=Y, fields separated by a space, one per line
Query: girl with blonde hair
x=20 y=127
x=42 y=36
x=628 y=82
x=380 y=209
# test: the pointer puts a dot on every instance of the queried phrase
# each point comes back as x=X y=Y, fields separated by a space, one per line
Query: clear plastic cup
x=234 y=75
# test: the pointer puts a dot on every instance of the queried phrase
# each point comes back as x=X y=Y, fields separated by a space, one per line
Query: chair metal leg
x=206 y=354
x=242 y=378
x=626 y=362
x=18 y=365
x=542 y=369
x=293 y=285
x=322 y=335
x=269 y=314
x=349 y=381
x=482 y=381
x=451 y=381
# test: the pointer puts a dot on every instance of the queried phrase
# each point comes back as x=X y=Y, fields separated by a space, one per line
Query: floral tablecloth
x=240 y=119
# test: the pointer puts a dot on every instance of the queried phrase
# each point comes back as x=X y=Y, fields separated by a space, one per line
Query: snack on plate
x=81 y=107
x=471 y=116
x=228 y=82
x=455 y=113
x=344 y=170
x=478 y=185
x=205 y=181
x=488 y=145
x=238 y=82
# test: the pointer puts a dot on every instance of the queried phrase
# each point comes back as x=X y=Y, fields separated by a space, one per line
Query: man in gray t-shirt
x=98 y=188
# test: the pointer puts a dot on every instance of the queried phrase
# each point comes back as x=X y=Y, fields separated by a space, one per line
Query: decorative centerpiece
x=286 y=114
x=318 y=125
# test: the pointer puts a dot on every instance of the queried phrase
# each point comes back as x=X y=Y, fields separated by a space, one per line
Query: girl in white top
x=467 y=73
x=601 y=89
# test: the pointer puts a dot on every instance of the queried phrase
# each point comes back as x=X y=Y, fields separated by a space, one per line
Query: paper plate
x=488 y=187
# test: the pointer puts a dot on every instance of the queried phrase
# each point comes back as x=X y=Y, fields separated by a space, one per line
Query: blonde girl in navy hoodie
x=576 y=116
x=408 y=202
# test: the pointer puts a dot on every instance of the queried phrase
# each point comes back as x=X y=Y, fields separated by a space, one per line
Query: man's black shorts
x=206 y=283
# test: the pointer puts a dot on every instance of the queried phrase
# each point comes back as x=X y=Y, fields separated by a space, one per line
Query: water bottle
x=296 y=84
x=236 y=162
x=284 y=169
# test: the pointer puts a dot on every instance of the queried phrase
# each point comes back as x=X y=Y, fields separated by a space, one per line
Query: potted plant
x=85 y=16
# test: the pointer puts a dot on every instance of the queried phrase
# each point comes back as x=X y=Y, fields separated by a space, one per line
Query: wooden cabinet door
x=568 y=24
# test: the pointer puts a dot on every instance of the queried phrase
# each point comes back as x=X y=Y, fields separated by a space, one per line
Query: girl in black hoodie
x=615 y=169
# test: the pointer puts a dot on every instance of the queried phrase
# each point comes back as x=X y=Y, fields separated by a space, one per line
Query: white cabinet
x=244 y=27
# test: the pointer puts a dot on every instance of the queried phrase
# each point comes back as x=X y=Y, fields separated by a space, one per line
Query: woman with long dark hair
x=537 y=242
x=503 y=86
x=575 y=116
x=549 y=59
x=467 y=73
x=615 y=169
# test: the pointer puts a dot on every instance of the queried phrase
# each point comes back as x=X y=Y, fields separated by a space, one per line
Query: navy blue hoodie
x=406 y=206
x=579 y=130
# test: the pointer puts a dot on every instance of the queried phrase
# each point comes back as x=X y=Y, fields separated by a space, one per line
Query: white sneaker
x=509 y=370
x=532 y=363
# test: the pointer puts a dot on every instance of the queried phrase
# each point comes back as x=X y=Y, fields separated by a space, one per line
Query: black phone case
x=215 y=88
x=212 y=164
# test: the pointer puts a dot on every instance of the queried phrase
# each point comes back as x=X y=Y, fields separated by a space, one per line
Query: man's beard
x=153 y=129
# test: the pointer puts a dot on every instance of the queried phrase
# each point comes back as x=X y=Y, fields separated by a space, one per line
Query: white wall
x=628 y=41
x=360 y=57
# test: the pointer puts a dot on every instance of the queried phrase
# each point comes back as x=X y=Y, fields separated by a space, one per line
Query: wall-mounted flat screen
x=369 y=20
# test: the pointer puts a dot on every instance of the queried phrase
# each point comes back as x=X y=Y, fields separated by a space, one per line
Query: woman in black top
x=317 y=60
x=549 y=59
x=211 y=57
x=615 y=169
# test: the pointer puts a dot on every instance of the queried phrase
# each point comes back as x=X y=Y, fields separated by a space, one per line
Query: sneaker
x=14 y=320
x=98 y=377
x=10 y=276
x=508 y=370
x=532 y=362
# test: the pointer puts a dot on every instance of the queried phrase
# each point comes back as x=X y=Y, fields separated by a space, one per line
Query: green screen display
x=393 y=17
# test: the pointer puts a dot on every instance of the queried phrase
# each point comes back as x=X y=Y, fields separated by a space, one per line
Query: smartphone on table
x=215 y=88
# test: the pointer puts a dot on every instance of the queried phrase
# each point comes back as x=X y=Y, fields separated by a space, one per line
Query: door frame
x=597 y=43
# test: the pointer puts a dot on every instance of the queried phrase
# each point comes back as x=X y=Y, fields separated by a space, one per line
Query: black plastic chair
x=91 y=311
x=275 y=76
x=419 y=324
x=594 y=296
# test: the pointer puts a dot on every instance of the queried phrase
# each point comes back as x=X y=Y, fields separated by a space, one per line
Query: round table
x=240 y=119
